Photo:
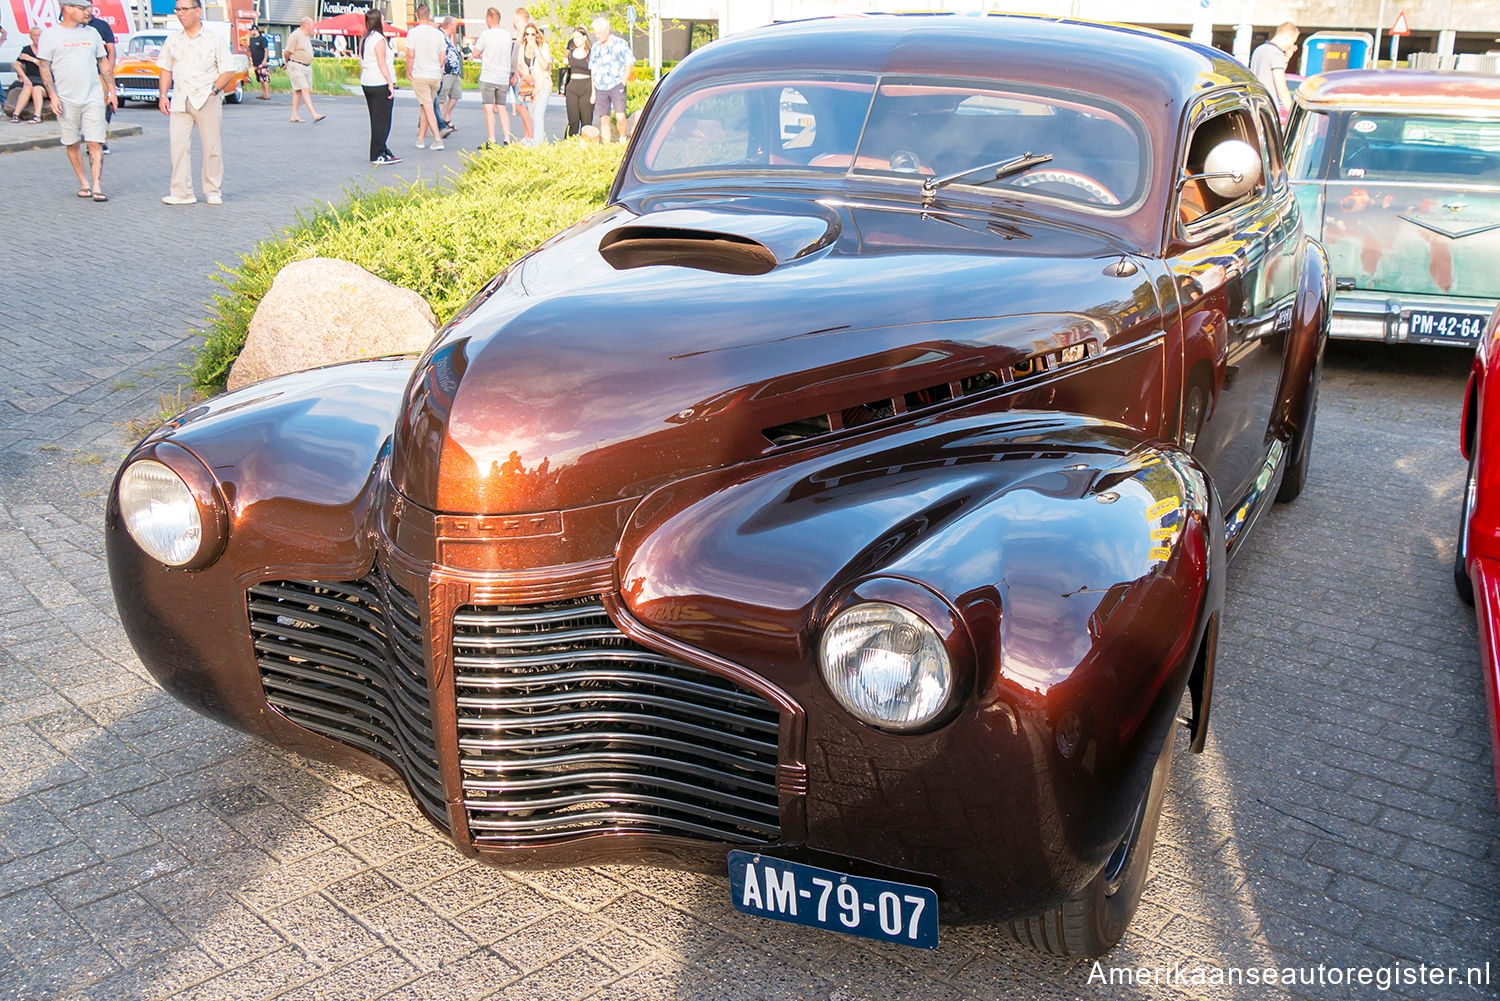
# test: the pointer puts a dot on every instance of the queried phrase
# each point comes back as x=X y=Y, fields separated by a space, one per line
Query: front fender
x=293 y=460
x=1085 y=564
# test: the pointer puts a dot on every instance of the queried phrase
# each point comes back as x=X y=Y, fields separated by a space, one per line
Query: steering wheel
x=1097 y=192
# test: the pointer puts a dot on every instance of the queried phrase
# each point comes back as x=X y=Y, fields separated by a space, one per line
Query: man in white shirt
x=425 y=48
x=200 y=65
x=73 y=59
x=493 y=50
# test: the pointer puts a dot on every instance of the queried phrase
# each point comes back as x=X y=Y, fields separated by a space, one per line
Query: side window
x=1271 y=145
x=1196 y=199
x=1307 y=146
x=799 y=128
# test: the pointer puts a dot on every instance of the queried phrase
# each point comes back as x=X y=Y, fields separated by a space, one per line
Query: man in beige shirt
x=425 y=48
x=200 y=65
x=299 y=57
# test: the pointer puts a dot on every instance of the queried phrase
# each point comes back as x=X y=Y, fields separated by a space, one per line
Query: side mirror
x=1231 y=170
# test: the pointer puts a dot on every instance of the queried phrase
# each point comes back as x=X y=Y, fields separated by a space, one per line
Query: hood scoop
x=725 y=242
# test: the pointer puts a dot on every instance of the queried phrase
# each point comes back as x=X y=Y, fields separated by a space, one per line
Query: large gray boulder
x=324 y=310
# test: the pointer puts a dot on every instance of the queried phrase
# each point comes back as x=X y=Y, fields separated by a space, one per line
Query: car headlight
x=160 y=513
x=886 y=665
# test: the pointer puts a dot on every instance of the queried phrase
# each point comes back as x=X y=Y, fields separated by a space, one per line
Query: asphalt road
x=1344 y=814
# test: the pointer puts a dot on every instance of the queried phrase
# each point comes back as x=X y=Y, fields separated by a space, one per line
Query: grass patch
x=329 y=76
x=87 y=459
x=443 y=243
x=121 y=384
x=167 y=408
x=49 y=448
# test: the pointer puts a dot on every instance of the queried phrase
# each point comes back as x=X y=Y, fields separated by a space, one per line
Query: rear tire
x=1461 y=580
x=1089 y=922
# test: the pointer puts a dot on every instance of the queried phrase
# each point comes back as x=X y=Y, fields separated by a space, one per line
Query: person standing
x=535 y=82
x=107 y=35
x=493 y=49
x=1269 y=61
x=299 y=57
x=425 y=49
x=73 y=62
x=377 y=76
x=200 y=65
x=520 y=18
x=260 y=61
x=610 y=61
x=452 y=83
x=29 y=71
x=579 y=89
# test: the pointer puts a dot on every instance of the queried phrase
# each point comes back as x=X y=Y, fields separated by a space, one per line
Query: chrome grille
x=344 y=659
x=138 y=82
x=568 y=728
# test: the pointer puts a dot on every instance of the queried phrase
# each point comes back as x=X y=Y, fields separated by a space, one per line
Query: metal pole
x=1379 y=24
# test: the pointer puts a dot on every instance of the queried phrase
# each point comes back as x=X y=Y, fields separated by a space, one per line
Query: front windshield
x=921 y=128
x=145 y=46
x=1432 y=150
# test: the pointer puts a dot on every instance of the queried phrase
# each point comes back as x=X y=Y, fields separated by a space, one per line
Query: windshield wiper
x=1002 y=168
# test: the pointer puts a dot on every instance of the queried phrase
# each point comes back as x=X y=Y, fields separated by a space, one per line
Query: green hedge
x=443 y=243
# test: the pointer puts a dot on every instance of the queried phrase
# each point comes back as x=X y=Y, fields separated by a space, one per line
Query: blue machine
x=1326 y=51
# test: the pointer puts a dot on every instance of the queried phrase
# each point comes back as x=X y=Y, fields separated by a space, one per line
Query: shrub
x=443 y=243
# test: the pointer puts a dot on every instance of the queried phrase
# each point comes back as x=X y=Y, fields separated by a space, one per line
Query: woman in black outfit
x=580 y=83
x=377 y=76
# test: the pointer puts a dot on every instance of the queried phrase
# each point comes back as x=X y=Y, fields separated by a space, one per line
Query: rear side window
x=1432 y=150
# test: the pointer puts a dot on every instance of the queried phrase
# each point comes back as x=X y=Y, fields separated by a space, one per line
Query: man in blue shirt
x=610 y=62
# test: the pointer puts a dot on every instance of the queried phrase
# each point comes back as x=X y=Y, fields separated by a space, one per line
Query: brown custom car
x=1398 y=172
x=848 y=502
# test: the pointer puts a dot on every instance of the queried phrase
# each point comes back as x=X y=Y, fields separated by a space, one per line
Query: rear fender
x=1297 y=395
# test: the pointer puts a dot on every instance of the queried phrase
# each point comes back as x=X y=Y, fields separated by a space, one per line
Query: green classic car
x=1398 y=173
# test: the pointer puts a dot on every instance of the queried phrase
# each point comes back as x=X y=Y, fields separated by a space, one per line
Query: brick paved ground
x=1343 y=814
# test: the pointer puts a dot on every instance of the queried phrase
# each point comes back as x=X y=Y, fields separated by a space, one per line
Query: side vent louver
x=817 y=426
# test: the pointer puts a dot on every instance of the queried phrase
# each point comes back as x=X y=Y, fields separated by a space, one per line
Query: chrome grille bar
x=568 y=728
x=344 y=660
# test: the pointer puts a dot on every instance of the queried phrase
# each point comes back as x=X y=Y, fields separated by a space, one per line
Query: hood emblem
x=1449 y=223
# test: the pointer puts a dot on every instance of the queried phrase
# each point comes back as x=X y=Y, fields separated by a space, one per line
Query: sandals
x=85 y=192
x=318 y=118
x=34 y=120
x=16 y=119
x=100 y=196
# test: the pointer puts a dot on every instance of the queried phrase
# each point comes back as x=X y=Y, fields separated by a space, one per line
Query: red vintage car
x=846 y=505
x=1476 y=560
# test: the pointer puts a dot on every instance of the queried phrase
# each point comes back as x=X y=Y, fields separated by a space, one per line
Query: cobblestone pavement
x=1344 y=813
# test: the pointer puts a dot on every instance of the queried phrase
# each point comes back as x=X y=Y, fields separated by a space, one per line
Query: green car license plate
x=821 y=898
x=1444 y=328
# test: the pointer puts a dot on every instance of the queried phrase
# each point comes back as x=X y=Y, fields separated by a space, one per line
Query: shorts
x=300 y=75
x=606 y=101
x=85 y=119
x=492 y=93
x=262 y=74
x=425 y=89
x=451 y=87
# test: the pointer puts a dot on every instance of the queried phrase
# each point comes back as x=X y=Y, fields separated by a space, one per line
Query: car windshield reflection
x=902 y=127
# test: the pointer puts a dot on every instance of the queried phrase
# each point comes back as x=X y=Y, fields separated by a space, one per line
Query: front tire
x=1089 y=922
x=238 y=95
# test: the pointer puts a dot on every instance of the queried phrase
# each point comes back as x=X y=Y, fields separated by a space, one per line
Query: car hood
x=137 y=67
x=642 y=346
x=1407 y=239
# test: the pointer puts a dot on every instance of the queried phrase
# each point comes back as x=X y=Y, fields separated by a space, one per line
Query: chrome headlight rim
x=936 y=614
x=202 y=486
